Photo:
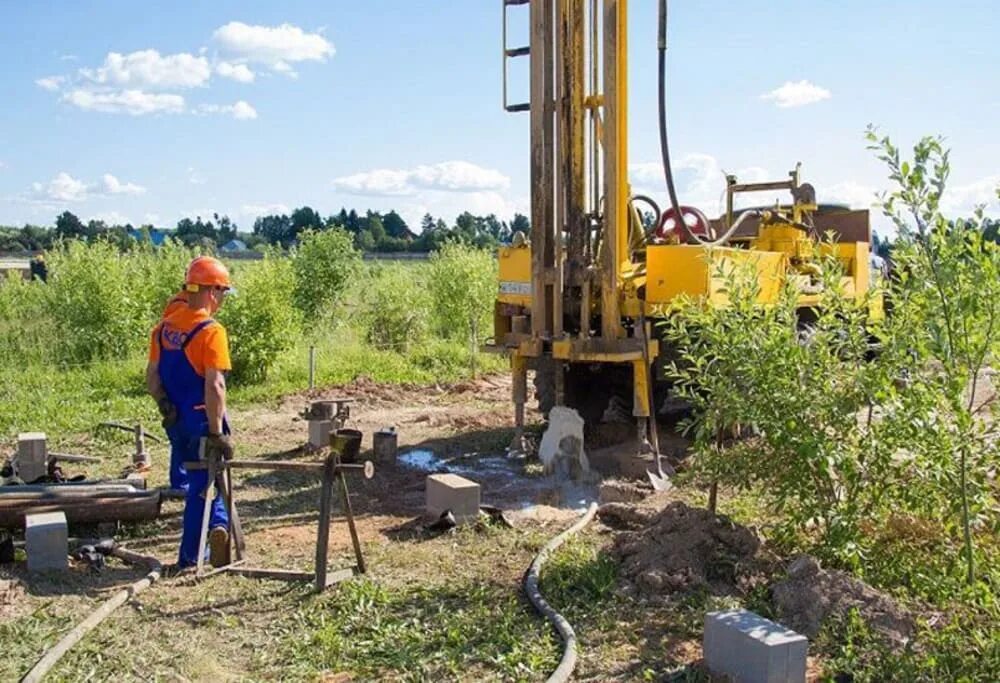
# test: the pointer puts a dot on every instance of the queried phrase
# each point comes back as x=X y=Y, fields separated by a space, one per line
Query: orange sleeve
x=210 y=349
x=154 y=345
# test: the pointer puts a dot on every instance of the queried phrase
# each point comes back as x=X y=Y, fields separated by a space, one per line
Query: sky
x=150 y=112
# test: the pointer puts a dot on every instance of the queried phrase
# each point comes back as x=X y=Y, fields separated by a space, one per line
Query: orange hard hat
x=206 y=271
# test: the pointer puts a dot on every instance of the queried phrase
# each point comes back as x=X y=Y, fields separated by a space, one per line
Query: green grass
x=68 y=401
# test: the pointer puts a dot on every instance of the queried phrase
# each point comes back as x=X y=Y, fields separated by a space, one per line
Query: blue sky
x=151 y=112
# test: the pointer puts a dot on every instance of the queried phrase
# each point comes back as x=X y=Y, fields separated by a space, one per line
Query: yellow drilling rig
x=579 y=296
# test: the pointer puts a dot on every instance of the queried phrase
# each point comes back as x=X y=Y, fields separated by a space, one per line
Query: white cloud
x=235 y=71
x=68 y=58
x=151 y=219
x=962 y=200
x=148 y=69
x=447 y=176
x=240 y=110
x=65 y=188
x=62 y=188
x=278 y=47
x=50 y=83
x=796 y=94
x=849 y=192
x=134 y=102
x=111 y=185
x=252 y=211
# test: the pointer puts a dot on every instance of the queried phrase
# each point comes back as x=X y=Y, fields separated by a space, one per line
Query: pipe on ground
x=568 y=661
x=55 y=653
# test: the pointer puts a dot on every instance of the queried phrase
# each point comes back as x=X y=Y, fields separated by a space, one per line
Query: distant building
x=155 y=236
x=233 y=245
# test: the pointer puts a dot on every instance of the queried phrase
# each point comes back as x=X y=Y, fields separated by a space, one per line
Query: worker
x=188 y=359
x=178 y=475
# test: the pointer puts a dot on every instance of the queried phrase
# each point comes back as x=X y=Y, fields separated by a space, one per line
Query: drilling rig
x=579 y=297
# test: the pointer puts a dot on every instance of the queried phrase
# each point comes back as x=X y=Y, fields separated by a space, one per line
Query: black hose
x=661 y=48
x=568 y=661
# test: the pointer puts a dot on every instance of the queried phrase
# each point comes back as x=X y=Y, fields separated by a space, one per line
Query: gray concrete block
x=32 y=456
x=46 y=540
x=752 y=649
x=455 y=493
x=319 y=433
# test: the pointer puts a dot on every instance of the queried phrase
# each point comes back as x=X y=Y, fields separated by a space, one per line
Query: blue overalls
x=186 y=390
x=178 y=475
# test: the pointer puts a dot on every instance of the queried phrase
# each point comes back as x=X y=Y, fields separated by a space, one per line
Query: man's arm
x=153 y=384
x=215 y=399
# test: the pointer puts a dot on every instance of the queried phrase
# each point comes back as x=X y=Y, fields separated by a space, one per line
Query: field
x=854 y=491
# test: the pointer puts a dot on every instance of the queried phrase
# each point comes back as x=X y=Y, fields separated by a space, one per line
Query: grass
x=66 y=401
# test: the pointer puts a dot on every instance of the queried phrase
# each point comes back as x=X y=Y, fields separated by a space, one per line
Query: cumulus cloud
x=447 y=176
x=240 y=110
x=62 y=188
x=134 y=102
x=111 y=185
x=796 y=94
x=235 y=71
x=50 y=83
x=65 y=188
x=854 y=194
x=963 y=199
x=111 y=218
x=147 y=69
x=277 y=47
x=195 y=177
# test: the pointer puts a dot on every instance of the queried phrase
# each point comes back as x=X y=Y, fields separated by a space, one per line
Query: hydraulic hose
x=661 y=49
x=55 y=653
x=568 y=661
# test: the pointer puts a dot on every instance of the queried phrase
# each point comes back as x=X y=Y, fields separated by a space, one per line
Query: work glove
x=219 y=444
x=167 y=411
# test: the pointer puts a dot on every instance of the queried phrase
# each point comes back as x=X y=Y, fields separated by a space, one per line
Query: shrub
x=396 y=307
x=324 y=264
x=463 y=285
x=259 y=319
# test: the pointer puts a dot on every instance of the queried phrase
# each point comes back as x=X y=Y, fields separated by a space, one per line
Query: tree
x=275 y=229
x=395 y=226
x=305 y=218
x=520 y=223
x=426 y=223
x=227 y=229
x=69 y=227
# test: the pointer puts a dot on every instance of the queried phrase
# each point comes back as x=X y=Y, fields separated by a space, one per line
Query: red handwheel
x=695 y=223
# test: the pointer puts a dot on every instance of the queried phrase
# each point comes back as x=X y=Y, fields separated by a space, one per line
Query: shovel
x=659 y=479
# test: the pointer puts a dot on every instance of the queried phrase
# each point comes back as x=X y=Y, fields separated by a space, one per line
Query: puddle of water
x=419 y=459
x=528 y=490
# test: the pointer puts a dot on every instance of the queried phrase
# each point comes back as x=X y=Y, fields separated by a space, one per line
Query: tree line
x=371 y=231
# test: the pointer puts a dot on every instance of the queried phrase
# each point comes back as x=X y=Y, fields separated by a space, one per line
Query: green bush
x=396 y=307
x=463 y=286
x=324 y=264
x=259 y=319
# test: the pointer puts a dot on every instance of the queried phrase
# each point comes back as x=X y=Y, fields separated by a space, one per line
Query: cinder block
x=32 y=456
x=46 y=540
x=319 y=433
x=455 y=493
x=752 y=649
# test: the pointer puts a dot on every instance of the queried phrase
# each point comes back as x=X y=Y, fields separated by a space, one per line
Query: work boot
x=218 y=546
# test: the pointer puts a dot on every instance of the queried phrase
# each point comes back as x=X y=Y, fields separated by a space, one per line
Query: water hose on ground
x=55 y=653
x=568 y=661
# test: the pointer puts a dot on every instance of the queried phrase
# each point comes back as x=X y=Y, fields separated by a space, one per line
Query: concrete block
x=46 y=540
x=751 y=649
x=455 y=493
x=319 y=433
x=32 y=456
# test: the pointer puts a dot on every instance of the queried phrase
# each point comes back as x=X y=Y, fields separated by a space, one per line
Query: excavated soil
x=810 y=595
x=682 y=548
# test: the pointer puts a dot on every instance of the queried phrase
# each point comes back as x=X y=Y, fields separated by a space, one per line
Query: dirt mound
x=810 y=595
x=681 y=548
